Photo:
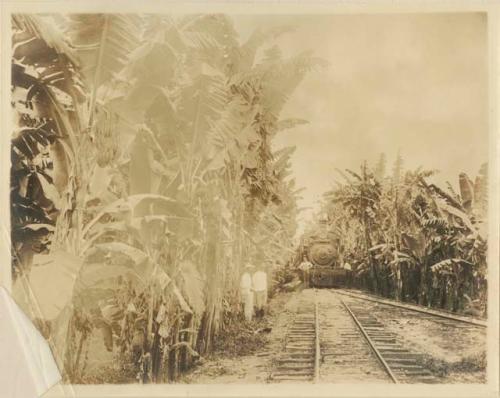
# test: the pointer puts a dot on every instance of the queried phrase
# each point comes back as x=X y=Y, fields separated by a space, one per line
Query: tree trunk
x=372 y=265
x=422 y=294
x=209 y=323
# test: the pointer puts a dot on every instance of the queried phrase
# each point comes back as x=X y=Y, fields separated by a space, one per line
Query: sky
x=414 y=83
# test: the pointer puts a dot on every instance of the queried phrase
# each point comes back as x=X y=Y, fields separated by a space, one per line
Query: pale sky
x=415 y=83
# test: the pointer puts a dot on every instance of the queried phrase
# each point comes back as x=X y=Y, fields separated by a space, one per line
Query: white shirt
x=347 y=266
x=305 y=265
x=259 y=280
x=246 y=282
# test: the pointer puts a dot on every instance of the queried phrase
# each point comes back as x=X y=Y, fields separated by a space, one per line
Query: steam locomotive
x=328 y=269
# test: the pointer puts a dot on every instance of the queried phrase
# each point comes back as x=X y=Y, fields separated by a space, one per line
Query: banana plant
x=165 y=175
x=428 y=243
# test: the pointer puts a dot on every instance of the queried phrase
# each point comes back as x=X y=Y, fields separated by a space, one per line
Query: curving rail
x=371 y=344
x=401 y=365
x=416 y=308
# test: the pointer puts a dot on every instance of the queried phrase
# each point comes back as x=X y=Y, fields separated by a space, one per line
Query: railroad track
x=334 y=338
x=401 y=365
x=345 y=342
x=300 y=359
x=446 y=316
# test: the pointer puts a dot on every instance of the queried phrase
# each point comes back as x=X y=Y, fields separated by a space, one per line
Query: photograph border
x=276 y=7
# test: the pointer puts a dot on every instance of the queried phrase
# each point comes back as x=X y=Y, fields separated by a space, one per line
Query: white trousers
x=247 y=298
x=260 y=299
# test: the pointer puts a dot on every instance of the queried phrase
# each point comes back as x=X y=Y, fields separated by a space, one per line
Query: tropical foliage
x=408 y=239
x=143 y=165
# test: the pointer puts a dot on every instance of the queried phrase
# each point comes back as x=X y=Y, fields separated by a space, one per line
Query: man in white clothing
x=259 y=283
x=305 y=267
x=247 y=292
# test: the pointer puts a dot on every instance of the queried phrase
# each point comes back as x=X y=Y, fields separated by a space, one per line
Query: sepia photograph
x=231 y=198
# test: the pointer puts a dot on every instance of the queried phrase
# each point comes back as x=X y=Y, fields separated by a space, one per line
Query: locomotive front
x=327 y=270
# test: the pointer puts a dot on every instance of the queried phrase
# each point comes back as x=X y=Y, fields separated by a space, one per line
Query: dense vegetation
x=143 y=161
x=408 y=239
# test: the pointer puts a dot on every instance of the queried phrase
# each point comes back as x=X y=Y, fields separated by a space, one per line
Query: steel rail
x=317 y=353
x=371 y=344
x=411 y=307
